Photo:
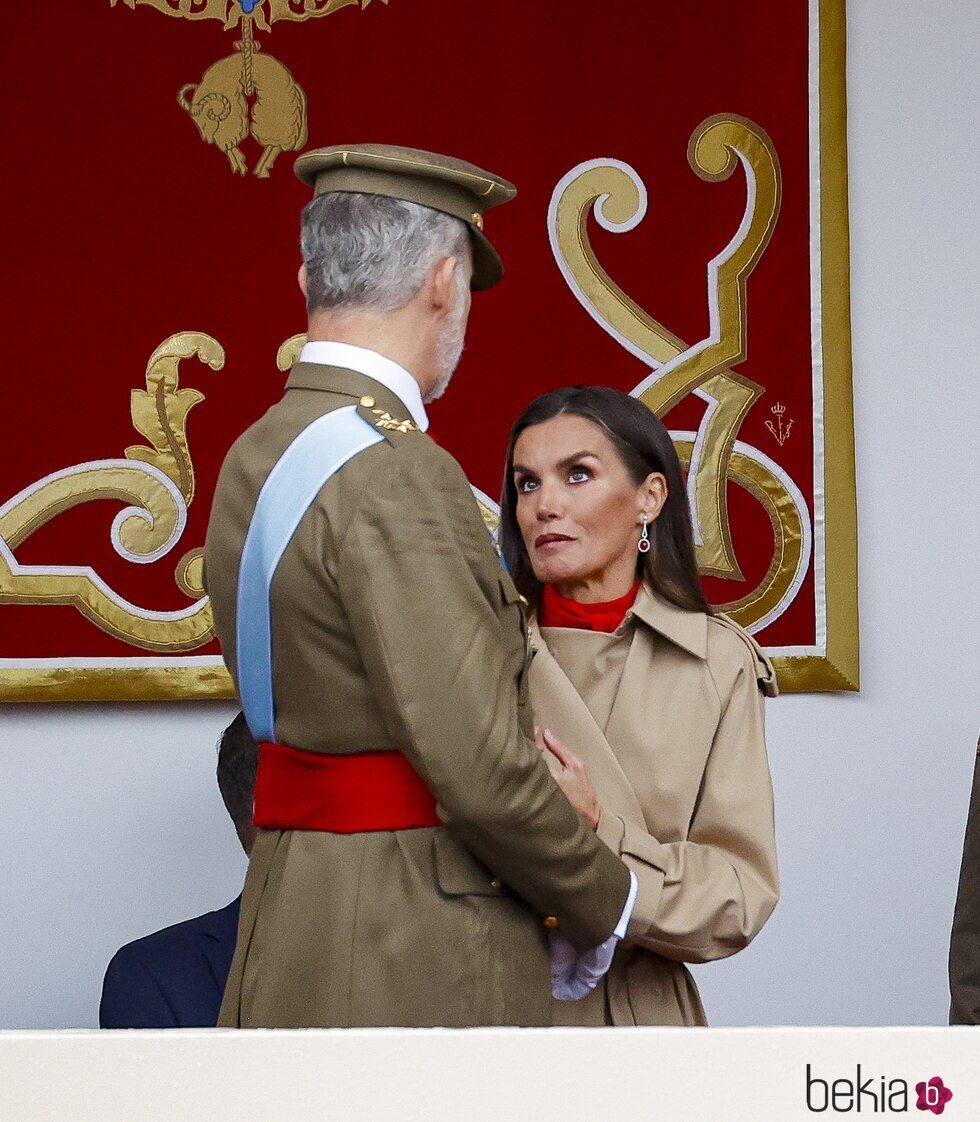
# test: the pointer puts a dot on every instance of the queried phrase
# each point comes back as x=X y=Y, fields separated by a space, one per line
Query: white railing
x=487 y=1075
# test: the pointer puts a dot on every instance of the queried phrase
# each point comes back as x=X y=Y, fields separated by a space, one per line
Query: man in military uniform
x=413 y=850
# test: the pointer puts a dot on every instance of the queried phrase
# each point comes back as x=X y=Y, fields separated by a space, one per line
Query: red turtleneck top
x=556 y=610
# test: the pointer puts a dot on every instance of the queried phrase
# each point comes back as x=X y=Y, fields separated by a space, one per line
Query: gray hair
x=373 y=252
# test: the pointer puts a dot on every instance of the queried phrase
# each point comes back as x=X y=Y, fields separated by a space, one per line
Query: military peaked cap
x=440 y=182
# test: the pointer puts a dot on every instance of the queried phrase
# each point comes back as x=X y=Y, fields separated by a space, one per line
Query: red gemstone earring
x=643 y=545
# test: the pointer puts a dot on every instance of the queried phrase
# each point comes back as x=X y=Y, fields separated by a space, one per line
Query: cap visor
x=488 y=269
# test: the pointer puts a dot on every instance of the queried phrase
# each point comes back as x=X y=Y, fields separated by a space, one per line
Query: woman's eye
x=526 y=485
x=578 y=475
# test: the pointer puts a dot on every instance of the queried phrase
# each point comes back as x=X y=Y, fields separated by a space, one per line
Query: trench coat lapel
x=621 y=726
x=665 y=638
x=558 y=706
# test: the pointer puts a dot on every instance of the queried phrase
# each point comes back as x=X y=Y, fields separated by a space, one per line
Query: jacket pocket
x=458 y=873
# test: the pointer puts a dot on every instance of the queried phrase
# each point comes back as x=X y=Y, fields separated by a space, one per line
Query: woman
x=661 y=699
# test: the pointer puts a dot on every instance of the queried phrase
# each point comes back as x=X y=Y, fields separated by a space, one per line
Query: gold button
x=551 y=921
x=477 y=220
x=367 y=401
x=496 y=883
x=523 y=600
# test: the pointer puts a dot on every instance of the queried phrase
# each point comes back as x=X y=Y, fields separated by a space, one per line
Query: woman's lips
x=546 y=540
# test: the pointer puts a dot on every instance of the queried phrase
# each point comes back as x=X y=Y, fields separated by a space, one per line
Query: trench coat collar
x=688 y=630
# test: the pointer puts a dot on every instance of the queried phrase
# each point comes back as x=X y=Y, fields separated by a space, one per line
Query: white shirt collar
x=396 y=378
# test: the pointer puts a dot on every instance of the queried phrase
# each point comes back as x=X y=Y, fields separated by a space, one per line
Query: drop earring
x=643 y=545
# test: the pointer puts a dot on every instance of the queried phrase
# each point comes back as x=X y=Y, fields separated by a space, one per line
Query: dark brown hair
x=644 y=445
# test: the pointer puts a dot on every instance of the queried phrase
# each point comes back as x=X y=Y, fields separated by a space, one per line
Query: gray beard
x=450 y=348
x=450 y=351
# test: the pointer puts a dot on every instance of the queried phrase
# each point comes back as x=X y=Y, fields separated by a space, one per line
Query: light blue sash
x=319 y=451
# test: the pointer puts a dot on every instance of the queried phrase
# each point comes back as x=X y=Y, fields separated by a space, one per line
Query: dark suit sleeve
x=964 y=947
x=443 y=656
x=132 y=997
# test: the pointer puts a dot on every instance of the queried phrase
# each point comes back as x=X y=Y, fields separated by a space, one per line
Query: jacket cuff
x=643 y=856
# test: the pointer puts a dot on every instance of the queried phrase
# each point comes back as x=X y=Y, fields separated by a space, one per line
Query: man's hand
x=573 y=975
x=571 y=775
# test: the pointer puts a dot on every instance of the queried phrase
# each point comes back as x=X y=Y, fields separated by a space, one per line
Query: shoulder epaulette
x=382 y=419
x=765 y=672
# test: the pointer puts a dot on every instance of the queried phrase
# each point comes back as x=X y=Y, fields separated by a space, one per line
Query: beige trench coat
x=395 y=626
x=683 y=781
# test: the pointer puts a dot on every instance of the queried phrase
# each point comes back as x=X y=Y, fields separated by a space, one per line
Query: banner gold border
x=116 y=683
x=839 y=668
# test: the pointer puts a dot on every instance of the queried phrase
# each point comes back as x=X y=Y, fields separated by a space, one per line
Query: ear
x=652 y=495
x=301 y=279
x=442 y=289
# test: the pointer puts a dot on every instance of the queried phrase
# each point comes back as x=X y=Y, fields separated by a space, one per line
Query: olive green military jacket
x=667 y=715
x=395 y=626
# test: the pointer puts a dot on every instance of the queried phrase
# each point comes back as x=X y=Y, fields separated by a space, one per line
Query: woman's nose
x=549 y=503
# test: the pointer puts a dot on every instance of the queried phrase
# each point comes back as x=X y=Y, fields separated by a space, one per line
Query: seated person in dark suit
x=175 y=978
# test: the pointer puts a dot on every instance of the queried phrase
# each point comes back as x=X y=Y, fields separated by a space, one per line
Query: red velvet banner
x=149 y=147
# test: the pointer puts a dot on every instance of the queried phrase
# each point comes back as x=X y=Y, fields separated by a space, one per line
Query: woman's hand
x=570 y=774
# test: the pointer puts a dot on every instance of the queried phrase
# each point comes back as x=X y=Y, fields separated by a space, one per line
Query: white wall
x=110 y=822
x=111 y=826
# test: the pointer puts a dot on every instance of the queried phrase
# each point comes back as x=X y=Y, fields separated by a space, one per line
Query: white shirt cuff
x=624 y=919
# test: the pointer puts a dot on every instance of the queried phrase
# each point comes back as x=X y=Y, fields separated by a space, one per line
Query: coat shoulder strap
x=765 y=672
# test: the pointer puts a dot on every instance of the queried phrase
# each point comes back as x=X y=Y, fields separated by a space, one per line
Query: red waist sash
x=297 y=790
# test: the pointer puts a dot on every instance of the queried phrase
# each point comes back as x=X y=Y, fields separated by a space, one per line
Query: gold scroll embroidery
x=611 y=189
x=156 y=481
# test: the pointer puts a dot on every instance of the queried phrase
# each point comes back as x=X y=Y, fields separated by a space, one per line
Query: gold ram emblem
x=247 y=93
